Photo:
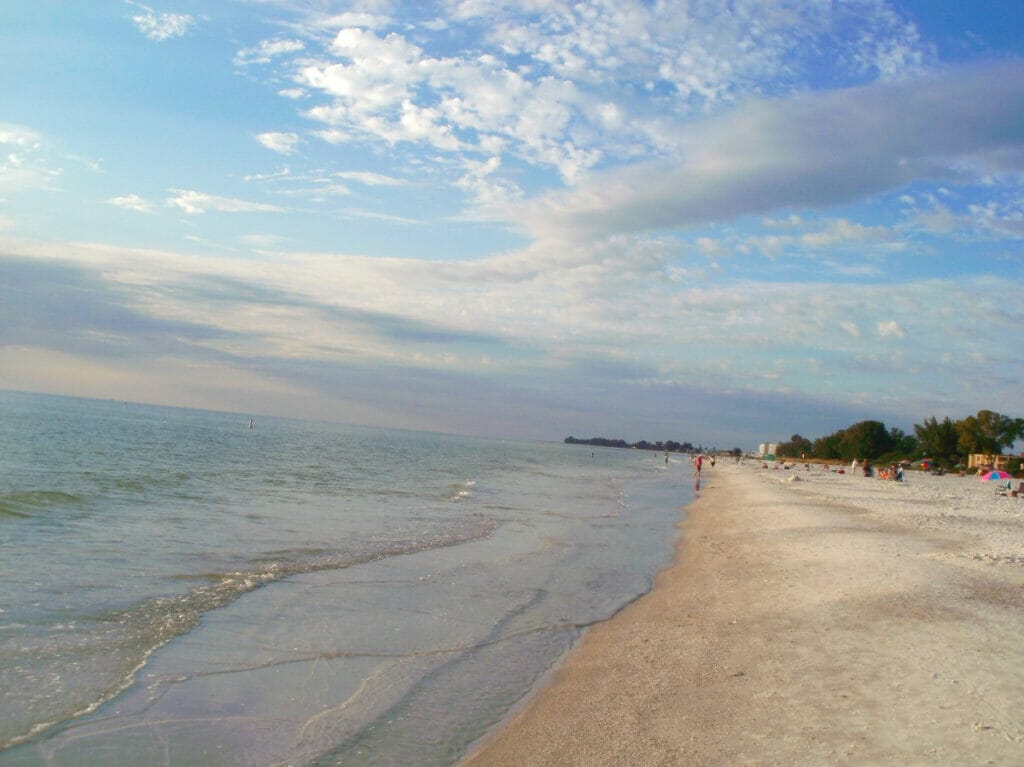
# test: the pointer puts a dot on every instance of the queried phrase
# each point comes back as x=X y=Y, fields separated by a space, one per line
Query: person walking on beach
x=699 y=463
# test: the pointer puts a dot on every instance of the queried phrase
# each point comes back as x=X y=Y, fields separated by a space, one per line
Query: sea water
x=180 y=588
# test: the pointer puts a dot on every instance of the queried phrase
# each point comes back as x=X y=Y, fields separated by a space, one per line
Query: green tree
x=827 y=447
x=796 y=447
x=939 y=440
x=866 y=439
x=988 y=432
x=901 y=442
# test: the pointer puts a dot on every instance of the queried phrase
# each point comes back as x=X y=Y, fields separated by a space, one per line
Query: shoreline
x=835 y=619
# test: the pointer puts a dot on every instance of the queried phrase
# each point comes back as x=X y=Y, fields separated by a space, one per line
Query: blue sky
x=717 y=222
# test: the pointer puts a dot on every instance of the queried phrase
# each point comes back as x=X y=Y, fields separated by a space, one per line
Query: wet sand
x=833 y=619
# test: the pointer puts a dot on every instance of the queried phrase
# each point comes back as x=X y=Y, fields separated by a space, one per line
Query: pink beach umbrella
x=995 y=475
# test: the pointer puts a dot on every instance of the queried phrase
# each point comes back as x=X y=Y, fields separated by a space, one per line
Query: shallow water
x=182 y=589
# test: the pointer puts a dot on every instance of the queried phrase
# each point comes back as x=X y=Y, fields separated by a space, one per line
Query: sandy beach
x=809 y=618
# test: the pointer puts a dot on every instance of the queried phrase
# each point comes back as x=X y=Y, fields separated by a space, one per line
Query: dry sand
x=831 y=620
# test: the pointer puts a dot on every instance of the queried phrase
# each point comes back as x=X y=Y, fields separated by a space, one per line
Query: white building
x=768 y=448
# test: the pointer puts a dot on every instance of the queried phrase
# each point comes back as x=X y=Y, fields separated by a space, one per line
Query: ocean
x=182 y=589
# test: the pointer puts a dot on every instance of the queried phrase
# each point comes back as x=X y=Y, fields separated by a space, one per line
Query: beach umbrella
x=995 y=475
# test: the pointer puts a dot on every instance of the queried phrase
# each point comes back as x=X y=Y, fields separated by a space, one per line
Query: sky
x=717 y=222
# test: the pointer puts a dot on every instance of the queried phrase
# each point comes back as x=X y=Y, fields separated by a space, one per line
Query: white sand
x=831 y=620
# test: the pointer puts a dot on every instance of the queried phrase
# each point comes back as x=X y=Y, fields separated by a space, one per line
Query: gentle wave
x=28 y=503
x=461 y=490
x=139 y=631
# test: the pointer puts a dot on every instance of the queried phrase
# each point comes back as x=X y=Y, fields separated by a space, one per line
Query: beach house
x=984 y=460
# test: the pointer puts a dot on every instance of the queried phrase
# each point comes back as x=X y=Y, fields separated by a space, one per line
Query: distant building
x=979 y=460
x=768 y=448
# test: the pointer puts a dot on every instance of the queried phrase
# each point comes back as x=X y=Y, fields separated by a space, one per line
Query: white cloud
x=132 y=202
x=263 y=241
x=378 y=216
x=551 y=83
x=1003 y=219
x=372 y=179
x=889 y=329
x=282 y=143
x=842 y=232
x=195 y=203
x=375 y=90
x=267 y=50
x=19 y=136
x=648 y=263
x=364 y=19
x=333 y=136
x=814 y=150
x=23 y=165
x=545 y=310
x=160 y=26
x=491 y=193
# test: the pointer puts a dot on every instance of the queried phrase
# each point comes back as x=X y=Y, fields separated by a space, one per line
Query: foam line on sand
x=832 y=620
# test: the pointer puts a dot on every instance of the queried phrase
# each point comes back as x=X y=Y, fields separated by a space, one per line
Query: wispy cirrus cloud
x=338 y=309
x=23 y=161
x=370 y=178
x=19 y=137
x=195 y=203
x=267 y=50
x=160 y=25
x=132 y=202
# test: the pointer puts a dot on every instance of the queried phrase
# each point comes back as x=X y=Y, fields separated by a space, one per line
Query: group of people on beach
x=698 y=462
x=892 y=471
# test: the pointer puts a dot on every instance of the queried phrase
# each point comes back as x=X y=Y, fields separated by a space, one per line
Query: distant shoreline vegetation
x=671 y=445
x=946 y=443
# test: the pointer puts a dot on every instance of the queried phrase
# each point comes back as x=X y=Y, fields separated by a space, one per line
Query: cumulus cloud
x=282 y=143
x=195 y=203
x=554 y=81
x=158 y=25
x=890 y=329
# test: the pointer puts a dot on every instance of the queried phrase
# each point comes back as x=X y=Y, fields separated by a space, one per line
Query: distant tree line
x=946 y=442
x=670 y=445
